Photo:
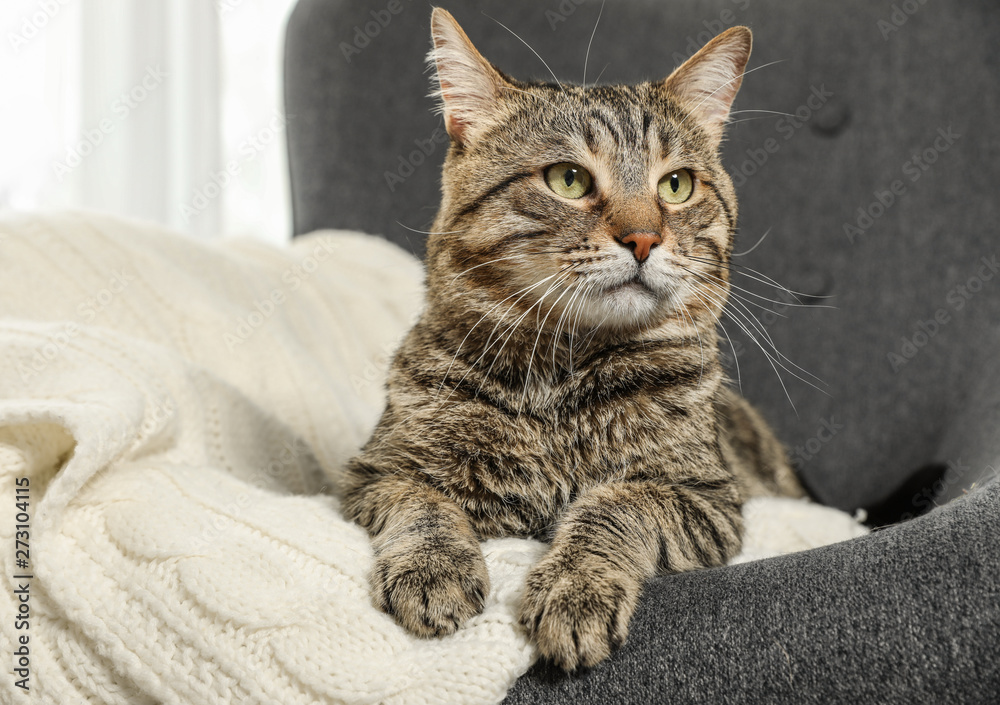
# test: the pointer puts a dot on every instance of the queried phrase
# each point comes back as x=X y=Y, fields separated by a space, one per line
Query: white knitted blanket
x=166 y=407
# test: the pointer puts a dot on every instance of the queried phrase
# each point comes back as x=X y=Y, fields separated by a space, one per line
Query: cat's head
x=608 y=205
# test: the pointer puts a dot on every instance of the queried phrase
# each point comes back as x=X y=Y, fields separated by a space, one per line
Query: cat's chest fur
x=514 y=451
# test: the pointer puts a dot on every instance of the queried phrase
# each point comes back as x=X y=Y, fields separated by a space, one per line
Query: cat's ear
x=707 y=83
x=468 y=85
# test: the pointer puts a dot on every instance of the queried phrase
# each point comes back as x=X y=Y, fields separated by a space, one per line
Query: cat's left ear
x=707 y=83
x=468 y=85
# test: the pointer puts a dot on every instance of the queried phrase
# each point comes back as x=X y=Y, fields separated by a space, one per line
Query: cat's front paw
x=577 y=610
x=430 y=589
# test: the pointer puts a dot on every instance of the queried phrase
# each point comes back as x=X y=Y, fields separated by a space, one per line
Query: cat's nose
x=641 y=243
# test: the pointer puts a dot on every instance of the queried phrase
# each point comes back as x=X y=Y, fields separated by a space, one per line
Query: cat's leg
x=752 y=452
x=429 y=572
x=579 y=599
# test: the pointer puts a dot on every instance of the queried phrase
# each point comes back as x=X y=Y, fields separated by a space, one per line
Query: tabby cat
x=564 y=381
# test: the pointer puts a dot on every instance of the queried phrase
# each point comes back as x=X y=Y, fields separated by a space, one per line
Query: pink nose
x=641 y=243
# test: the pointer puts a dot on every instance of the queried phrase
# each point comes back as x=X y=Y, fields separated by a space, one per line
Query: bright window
x=167 y=110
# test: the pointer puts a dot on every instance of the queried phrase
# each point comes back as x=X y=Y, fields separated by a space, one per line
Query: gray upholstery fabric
x=904 y=615
x=897 y=106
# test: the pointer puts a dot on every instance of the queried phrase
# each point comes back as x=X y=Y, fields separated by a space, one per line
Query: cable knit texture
x=174 y=405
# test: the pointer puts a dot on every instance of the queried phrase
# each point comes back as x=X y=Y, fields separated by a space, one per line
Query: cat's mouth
x=633 y=285
x=642 y=282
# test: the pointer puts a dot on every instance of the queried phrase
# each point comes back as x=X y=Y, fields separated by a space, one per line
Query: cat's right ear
x=468 y=85
x=707 y=83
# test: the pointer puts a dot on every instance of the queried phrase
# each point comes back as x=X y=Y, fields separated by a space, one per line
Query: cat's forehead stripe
x=629 y=115
x=637 y=138
x=647 y=121
x=609 y=123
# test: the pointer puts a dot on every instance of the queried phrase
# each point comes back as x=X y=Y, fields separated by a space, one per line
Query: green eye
x=568 y=180
x=676 y=187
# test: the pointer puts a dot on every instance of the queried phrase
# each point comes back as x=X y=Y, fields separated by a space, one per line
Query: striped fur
x=556 y=386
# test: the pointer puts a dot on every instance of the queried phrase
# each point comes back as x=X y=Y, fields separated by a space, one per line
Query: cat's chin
x=629 y=305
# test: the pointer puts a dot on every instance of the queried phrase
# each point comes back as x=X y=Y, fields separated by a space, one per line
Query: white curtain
x=167 y=110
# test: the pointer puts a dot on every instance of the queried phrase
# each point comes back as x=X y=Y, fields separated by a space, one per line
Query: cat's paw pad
x=431 y=591
x=577 y=615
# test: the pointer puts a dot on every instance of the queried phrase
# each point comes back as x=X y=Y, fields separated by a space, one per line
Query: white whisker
x=748 y=314
x=694 y=110
x=598 y=79
x=426 y=232
x=762 y=278
x=701 y=346
x=590 y=43
x=769 y=112
x=767 y=355
x=531 y=357
x=743 y=254
x=559 y=322
x=510 y=330
x=531 y=49
x=746 y=320
x=523 y=293
x=483 y=264
x=736 y=359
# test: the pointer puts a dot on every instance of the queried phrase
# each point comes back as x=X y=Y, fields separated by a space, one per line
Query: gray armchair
x=876 y=187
